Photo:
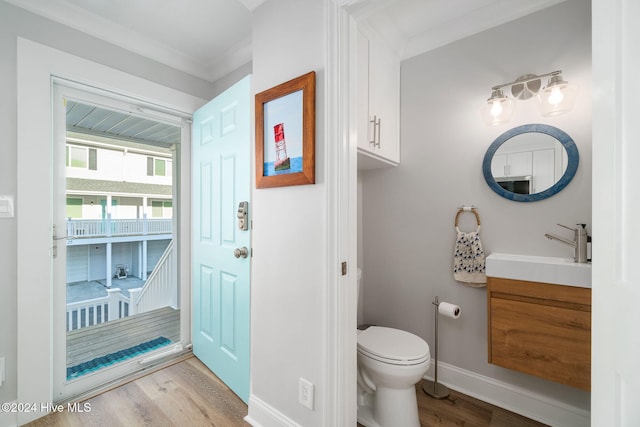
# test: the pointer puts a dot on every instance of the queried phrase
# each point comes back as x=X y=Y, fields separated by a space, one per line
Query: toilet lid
x=392 y=344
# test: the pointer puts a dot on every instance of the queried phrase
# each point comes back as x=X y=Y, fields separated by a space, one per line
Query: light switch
x=6 y=206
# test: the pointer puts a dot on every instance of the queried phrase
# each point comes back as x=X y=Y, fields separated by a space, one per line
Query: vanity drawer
x=540 y=329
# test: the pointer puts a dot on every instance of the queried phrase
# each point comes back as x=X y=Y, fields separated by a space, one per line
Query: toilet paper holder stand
x=433 y=388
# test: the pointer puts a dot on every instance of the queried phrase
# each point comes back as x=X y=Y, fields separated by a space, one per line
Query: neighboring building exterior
x=119 y=207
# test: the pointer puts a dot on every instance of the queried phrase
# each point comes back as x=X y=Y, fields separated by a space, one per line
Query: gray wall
x=289 y=267
x=15 y=22
x=408 y=212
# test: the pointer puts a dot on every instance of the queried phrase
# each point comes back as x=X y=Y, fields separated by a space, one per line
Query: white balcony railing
x=98 y=310
x=107 y=227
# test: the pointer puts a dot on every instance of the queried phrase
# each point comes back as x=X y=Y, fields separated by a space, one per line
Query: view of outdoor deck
x=95 y=341
x=159 y=290
x=121 y=266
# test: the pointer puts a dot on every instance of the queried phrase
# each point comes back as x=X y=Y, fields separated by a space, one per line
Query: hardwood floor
x=461 y=410
x=187 y=394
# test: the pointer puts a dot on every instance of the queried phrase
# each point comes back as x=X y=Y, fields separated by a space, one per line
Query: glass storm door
x=115 y=265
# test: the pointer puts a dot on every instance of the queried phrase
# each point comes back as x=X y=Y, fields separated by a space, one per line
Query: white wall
x=289 y=236
x=408 y=212
x=16 y=22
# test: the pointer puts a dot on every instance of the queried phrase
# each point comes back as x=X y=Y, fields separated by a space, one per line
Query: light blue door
x=221 y=283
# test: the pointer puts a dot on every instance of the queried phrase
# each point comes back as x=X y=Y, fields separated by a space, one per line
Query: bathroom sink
x=559 y=271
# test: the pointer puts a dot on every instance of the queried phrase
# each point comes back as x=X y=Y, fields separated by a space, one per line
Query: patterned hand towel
x=468 y=259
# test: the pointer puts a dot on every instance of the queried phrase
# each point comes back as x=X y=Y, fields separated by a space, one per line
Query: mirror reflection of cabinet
x=534 y=156
x=511 y=164
x=530 y=162
x=547 y=167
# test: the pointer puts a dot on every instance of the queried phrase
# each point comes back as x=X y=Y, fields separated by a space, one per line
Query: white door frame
x=65 y=90
x=36 y=65
x=615 y=348
x=341 y=303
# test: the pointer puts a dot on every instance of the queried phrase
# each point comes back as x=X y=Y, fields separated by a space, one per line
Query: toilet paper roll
x=449 y=310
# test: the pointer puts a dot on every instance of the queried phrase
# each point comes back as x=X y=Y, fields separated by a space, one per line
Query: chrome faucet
x=579 y=242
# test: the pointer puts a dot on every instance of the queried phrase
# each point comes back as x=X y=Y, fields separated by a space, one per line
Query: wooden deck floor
x=95 y=341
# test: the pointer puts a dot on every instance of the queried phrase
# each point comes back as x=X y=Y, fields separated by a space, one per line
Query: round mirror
x=530 y=162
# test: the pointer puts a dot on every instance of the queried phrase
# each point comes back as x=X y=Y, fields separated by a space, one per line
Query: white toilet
x=390 y=364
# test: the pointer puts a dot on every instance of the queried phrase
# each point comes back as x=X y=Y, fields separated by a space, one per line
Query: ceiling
x=417 y=26
x=205 y=38
x=100 y=122
x=210 y=38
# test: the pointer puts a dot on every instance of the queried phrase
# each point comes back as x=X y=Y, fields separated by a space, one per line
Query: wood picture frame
x=285 y=133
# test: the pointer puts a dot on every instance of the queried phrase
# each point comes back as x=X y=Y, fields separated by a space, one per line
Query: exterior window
x=161 y=208
x=93 y=159
x=158 y=167
x=74 y=207
x=77 y=157
x=81 y=157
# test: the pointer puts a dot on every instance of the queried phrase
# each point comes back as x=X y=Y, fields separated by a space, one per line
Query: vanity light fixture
x=498 y=109
x=556 y=98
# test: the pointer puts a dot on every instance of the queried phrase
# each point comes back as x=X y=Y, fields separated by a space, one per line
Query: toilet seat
x=392 y=346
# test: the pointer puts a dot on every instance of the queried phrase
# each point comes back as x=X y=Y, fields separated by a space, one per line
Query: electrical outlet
x=305 y=393
x=2 y=376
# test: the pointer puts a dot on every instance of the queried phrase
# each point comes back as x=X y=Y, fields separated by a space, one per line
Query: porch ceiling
x=97 y=121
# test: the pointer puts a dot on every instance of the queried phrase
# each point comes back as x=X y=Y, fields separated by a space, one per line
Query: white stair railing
x=160 y=289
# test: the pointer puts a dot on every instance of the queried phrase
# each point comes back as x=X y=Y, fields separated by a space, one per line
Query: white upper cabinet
x=378 y=86
x=512 y=164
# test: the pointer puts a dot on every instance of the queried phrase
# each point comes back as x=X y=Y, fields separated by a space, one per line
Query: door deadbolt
x=243 y=213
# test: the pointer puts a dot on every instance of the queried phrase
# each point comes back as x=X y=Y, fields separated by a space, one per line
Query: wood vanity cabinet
x=541 y=329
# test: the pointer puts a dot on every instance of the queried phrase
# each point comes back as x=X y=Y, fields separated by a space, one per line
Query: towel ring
x=472 y=210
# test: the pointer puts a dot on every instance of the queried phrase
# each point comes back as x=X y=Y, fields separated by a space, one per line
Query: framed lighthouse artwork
x=285 y=133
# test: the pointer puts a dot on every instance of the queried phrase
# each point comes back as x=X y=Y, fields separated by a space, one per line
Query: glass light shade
x=498 y=109
x=557 y=98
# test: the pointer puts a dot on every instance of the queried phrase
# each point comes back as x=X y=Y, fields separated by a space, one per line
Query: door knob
x=241 y=252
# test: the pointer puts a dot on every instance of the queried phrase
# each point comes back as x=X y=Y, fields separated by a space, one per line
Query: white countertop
x=559 y=271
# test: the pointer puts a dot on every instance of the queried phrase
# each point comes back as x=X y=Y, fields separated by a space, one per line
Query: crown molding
x=81 y=20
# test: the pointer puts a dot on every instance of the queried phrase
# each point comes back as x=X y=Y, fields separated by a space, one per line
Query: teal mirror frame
x=572 y=165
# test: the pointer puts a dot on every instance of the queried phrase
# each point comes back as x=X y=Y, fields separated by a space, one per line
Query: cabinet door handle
x=375 y=132
x=372 y=131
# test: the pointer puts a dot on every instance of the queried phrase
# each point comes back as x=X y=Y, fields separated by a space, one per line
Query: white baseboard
x=8 y=419
x=512 y=398
x=261 y=414
x=504 y=395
